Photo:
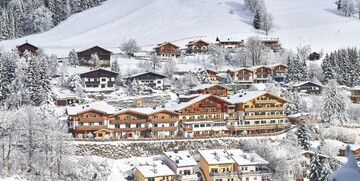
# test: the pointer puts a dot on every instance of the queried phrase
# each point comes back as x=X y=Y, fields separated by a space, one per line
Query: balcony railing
x=134 y=121
x=275 y=116
x=223 y=174
x=90 y=128
x=94 y=119
x=163 y=128
x=265 y=101
x=265 y=109
x=213 y=104
x=260 y=126
x=129 y=129
x=163 y=120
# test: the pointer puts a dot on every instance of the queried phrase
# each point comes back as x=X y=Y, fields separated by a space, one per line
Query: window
x=127 y=117
x=117 y=125
x=196 y=125
x=172 y=116
x=155 y=117
x=263 y=122
x=272 y=121
x=81 y=124
x=202 y=125
x=138 y=125
x=214 y=170
x=100 y=115
x=95 y=80
x=103 y=79
x=91 y=124
x=159 y=82
x=208 y=125
x=151 y=179
x=171 y=125
x=257 y=122
x=155 y=125
x=127 y=125
x=101 y=123
x=247 y=122
x=246 y=106
x=117 y=117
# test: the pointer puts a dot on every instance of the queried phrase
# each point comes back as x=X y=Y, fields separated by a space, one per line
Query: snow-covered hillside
x=314 y=22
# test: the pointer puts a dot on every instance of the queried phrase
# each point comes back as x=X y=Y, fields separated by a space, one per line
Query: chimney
x=154 y=168
x=240 y=95
x=252 y=159
x=154 y=107
x=177 y=160
x=176 y=150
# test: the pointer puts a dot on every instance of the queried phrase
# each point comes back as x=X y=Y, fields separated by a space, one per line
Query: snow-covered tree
x=203 y=77
x=267 y=22
x=257 y=19
x=63 y=72
x=130 y=47
x=41 y=20
x=241 y=57
x=302 y=134
x=133 y=88
x=7 y=73
x=73 y=58
x=334 y=110
x=327 y=70
x=116 y=68
x=74 y=82
x=255 y=49
x=190 y=81
x=95 y=61
x=170 y=68
x=347 y=7
x=155 y=61
x=216 y=55
x=317 y=170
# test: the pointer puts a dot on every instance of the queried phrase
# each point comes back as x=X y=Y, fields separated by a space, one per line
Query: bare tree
x=267 y=22
x=347 y=7
x=155 y=61
x=130 y=47
x=216 y=55
x=256 y=49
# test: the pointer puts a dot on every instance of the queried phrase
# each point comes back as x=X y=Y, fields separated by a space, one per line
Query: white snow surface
x=317 y=23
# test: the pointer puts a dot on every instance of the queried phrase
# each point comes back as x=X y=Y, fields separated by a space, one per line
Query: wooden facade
x=149 y=79
x=213 y=75
x=197 y=47
x=26 y=47
x=355 y=95
x=273 y=44
x=242 y=75
x=262 y=74
x=230 y=43
x=355 y=149
x=167 y=50
x=99 y=80
x=314 y=56
x=164 y=123
x=214 y=89
x=308 y=87
x=104 y=56
x=279 y=72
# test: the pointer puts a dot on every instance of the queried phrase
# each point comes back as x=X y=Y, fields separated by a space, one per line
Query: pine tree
x=327 y=70
x=257 y=19
x=294 y=106
x=116 y=68
x=34 y=85
x=73 y=58
x=334 y=110
x=317 y=170
x=7 y=73
x=302 y=134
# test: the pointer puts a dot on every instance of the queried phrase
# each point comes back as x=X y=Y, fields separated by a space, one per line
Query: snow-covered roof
x=277 y=64
x=176 y=106
x=242 y=158
x=206 y=86
x=259 y=66
x=193 y=42
x=298 y=115
x=143 y=73
x=305 y=82
x=145 y=111
x=154 y=169
x=243 y=68
x=101 y=106
x=228 y=39
x=184 y=158
x=216 y=156
x=352 y=147
x=160 y=45
x=245 y=96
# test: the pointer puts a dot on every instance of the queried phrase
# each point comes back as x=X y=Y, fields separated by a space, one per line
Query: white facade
x=182 y=163
x=98 y=84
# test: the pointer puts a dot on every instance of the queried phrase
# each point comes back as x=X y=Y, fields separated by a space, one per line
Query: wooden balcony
x=201 y=112
x=188 y=128
x=205 y=119
x=264 y=109
x=279 y=71
x=275 y=116
x=90 y=128
x=129 y=129
x=244 y=75
x=213 y=104
x=163 y=128
x=268 y=126
x=96 y=119
x=265 y=101
x=134 y=121
x=163 y=120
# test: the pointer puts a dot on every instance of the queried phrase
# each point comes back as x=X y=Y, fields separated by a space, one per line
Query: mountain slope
x=154 y=21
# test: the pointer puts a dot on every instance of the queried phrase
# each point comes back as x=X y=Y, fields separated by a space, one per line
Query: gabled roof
x=182 y=105
x=242 y=68
x=277 y=64
x=103 y=130
x=143 y=111
x=259 y=66
x=217 y=156
x=98 y=73
x=209 y=70
x=305 y=82
x=160 y=45
x=147 y=170
x=207 y=86
x=144 y=73
x=27 y=44
x=242 y=158
x=228 y=40
x=246 y=96
x=352 y=147
x=101 y=106
x=95 y=47
x=193 y=42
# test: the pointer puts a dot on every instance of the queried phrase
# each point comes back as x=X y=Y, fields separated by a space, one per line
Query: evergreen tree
x=327 y=70
x=294 y=106
x=34 y=85
x=116 y=68
x=7 y=74
x=94 y=60
x=317 y=170
x=257 y=19
x=73 y=58
x=302 y=134
x=45 y=79
x=334 y=110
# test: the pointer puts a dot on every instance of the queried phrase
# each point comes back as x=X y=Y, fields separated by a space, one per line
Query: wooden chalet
x=167 y=50
x=355 y=95
x=257 y=112
x=230 y=43
x=307 y=87
x=273 y=44
x=164 y=123
x=26 y=47
x=197 y=47
x=279 y=72
x=242 y=75
x=355 y=149
x=65 y=100
x=149 y=79
x=213 y=75
x=314 y=56
x=214 y=89
x=89 y=118
x=201 y=115
x=262 y=73
x=128 y=124
x=99 y=80
x=103 y=54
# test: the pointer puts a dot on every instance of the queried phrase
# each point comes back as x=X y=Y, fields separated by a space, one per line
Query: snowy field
x=317 y=23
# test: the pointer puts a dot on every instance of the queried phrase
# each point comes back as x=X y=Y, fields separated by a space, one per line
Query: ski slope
x=149 y=22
